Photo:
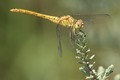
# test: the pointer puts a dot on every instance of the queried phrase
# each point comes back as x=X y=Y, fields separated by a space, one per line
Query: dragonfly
x=65 y=21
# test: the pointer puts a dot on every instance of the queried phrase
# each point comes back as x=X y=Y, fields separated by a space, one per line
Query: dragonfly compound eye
x=79 y=24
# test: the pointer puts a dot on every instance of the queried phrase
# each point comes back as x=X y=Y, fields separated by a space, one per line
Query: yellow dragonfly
x=65 y=21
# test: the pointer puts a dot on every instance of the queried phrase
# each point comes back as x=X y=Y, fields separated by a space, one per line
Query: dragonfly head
x=79 y=24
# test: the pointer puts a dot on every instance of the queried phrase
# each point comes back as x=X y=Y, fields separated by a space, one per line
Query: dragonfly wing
x=59 y=39
x=92 y=18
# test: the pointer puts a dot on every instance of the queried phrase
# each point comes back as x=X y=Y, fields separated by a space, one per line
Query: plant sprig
x=82 y=54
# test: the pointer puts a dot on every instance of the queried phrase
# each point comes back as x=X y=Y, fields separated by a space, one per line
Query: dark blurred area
x=29 y=45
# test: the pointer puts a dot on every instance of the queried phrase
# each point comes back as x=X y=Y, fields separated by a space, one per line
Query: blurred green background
x=28 y=45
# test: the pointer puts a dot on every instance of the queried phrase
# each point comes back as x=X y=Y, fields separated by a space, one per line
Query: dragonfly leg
x=72 y=34
x=82 y=32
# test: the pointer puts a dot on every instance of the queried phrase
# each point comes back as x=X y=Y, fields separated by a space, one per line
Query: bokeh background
x=28 y=45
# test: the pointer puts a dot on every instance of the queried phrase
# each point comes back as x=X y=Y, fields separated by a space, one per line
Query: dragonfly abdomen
x=44 y=16
x=66 y=21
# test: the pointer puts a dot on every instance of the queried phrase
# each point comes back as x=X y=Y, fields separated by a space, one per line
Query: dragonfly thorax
x=69 y=21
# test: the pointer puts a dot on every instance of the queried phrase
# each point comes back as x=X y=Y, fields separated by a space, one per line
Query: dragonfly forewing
x=92 y=18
